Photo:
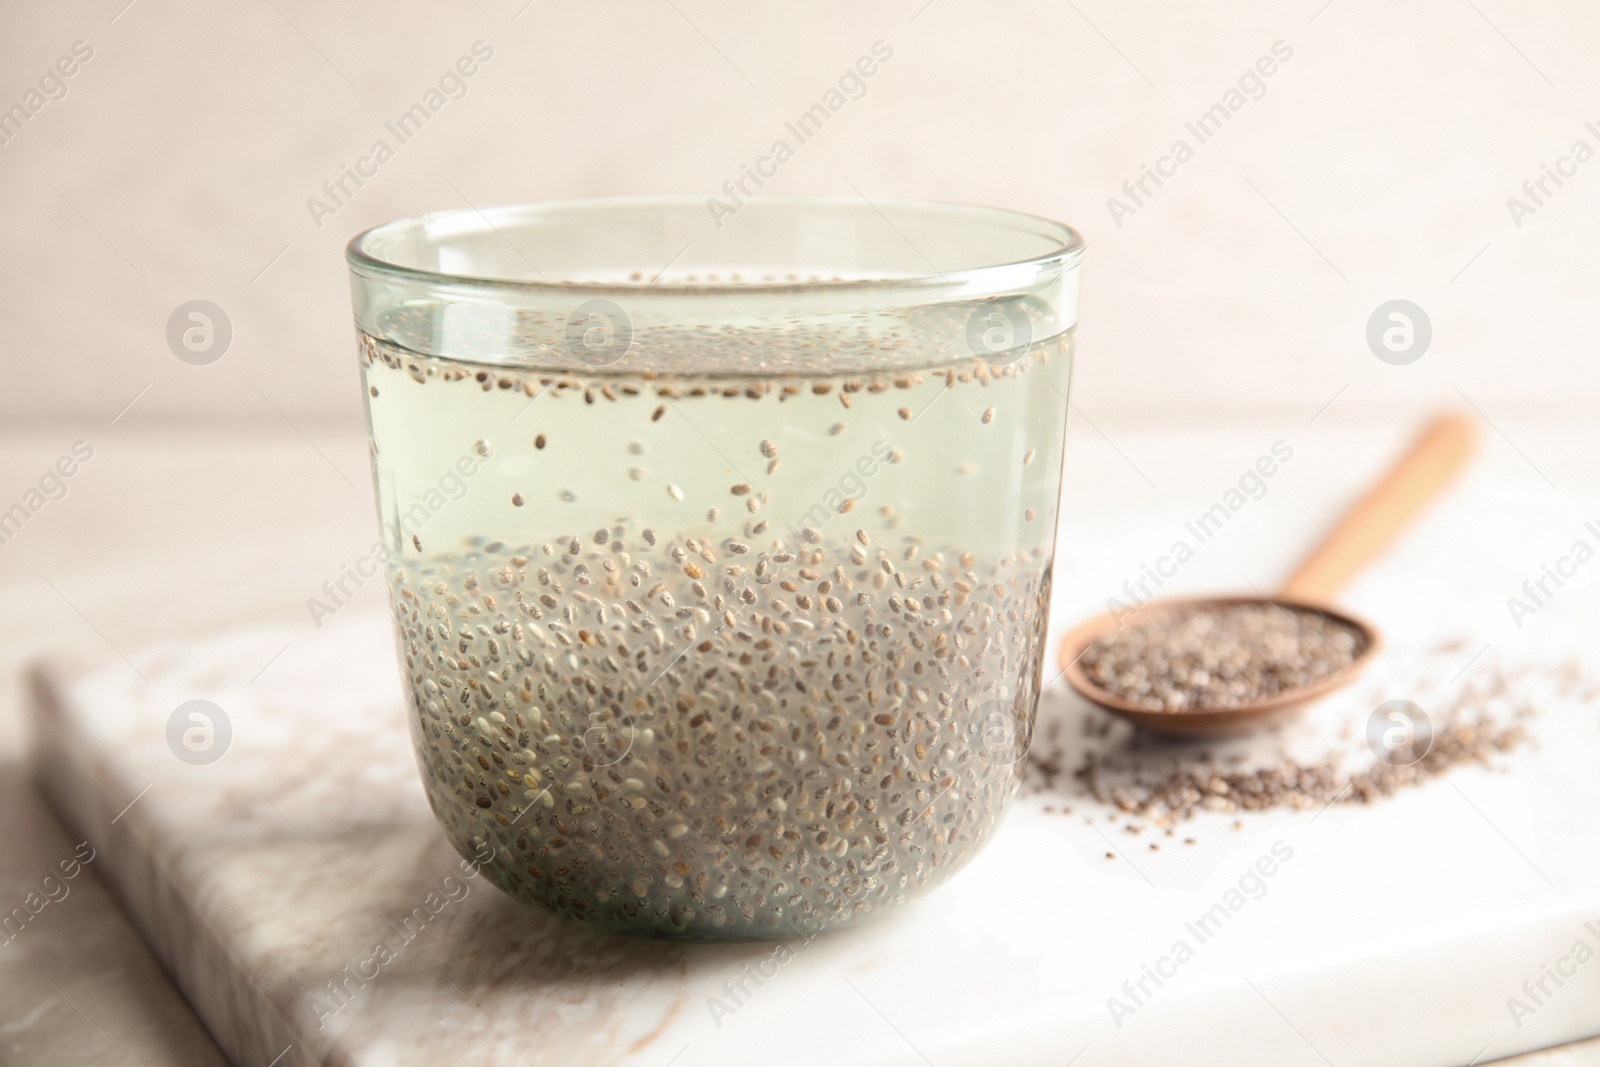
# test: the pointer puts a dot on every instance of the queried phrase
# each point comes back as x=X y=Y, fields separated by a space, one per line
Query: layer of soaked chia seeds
x=693 y=738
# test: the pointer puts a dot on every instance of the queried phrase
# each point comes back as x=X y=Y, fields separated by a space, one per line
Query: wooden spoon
x=1370 y=527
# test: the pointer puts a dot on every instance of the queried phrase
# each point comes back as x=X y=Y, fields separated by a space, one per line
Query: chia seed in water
x=685 y=691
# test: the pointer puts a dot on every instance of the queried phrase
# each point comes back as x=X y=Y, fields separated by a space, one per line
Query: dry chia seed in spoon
x=1221 y=657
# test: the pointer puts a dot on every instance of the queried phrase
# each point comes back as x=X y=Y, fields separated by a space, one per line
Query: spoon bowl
x=1212 y=722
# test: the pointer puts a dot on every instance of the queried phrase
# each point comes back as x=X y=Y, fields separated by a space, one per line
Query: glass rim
x=1068 y=246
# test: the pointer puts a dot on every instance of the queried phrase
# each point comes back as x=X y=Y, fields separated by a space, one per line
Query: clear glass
x=719 y=548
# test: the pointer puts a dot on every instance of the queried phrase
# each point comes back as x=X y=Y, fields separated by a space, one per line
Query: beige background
x=187 y=148
x=178 y=166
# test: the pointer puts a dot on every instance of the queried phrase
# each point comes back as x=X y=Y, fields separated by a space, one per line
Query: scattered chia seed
x=1163 y=782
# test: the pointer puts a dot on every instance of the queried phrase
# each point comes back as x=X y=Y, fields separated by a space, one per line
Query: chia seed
x=1162 y=782
x=671 y=719
x=1220 y=657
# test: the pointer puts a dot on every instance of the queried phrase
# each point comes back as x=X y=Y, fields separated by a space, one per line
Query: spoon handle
x=1369 y=528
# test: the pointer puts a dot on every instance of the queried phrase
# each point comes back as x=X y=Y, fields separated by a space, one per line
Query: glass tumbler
x=718 y=546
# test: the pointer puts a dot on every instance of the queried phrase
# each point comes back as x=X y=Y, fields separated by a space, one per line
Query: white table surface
x=162 y=534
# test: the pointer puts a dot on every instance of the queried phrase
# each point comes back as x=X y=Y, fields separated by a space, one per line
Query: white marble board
x=1396 y=933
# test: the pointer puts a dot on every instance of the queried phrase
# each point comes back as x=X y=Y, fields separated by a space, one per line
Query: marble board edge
x=238 y=1016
